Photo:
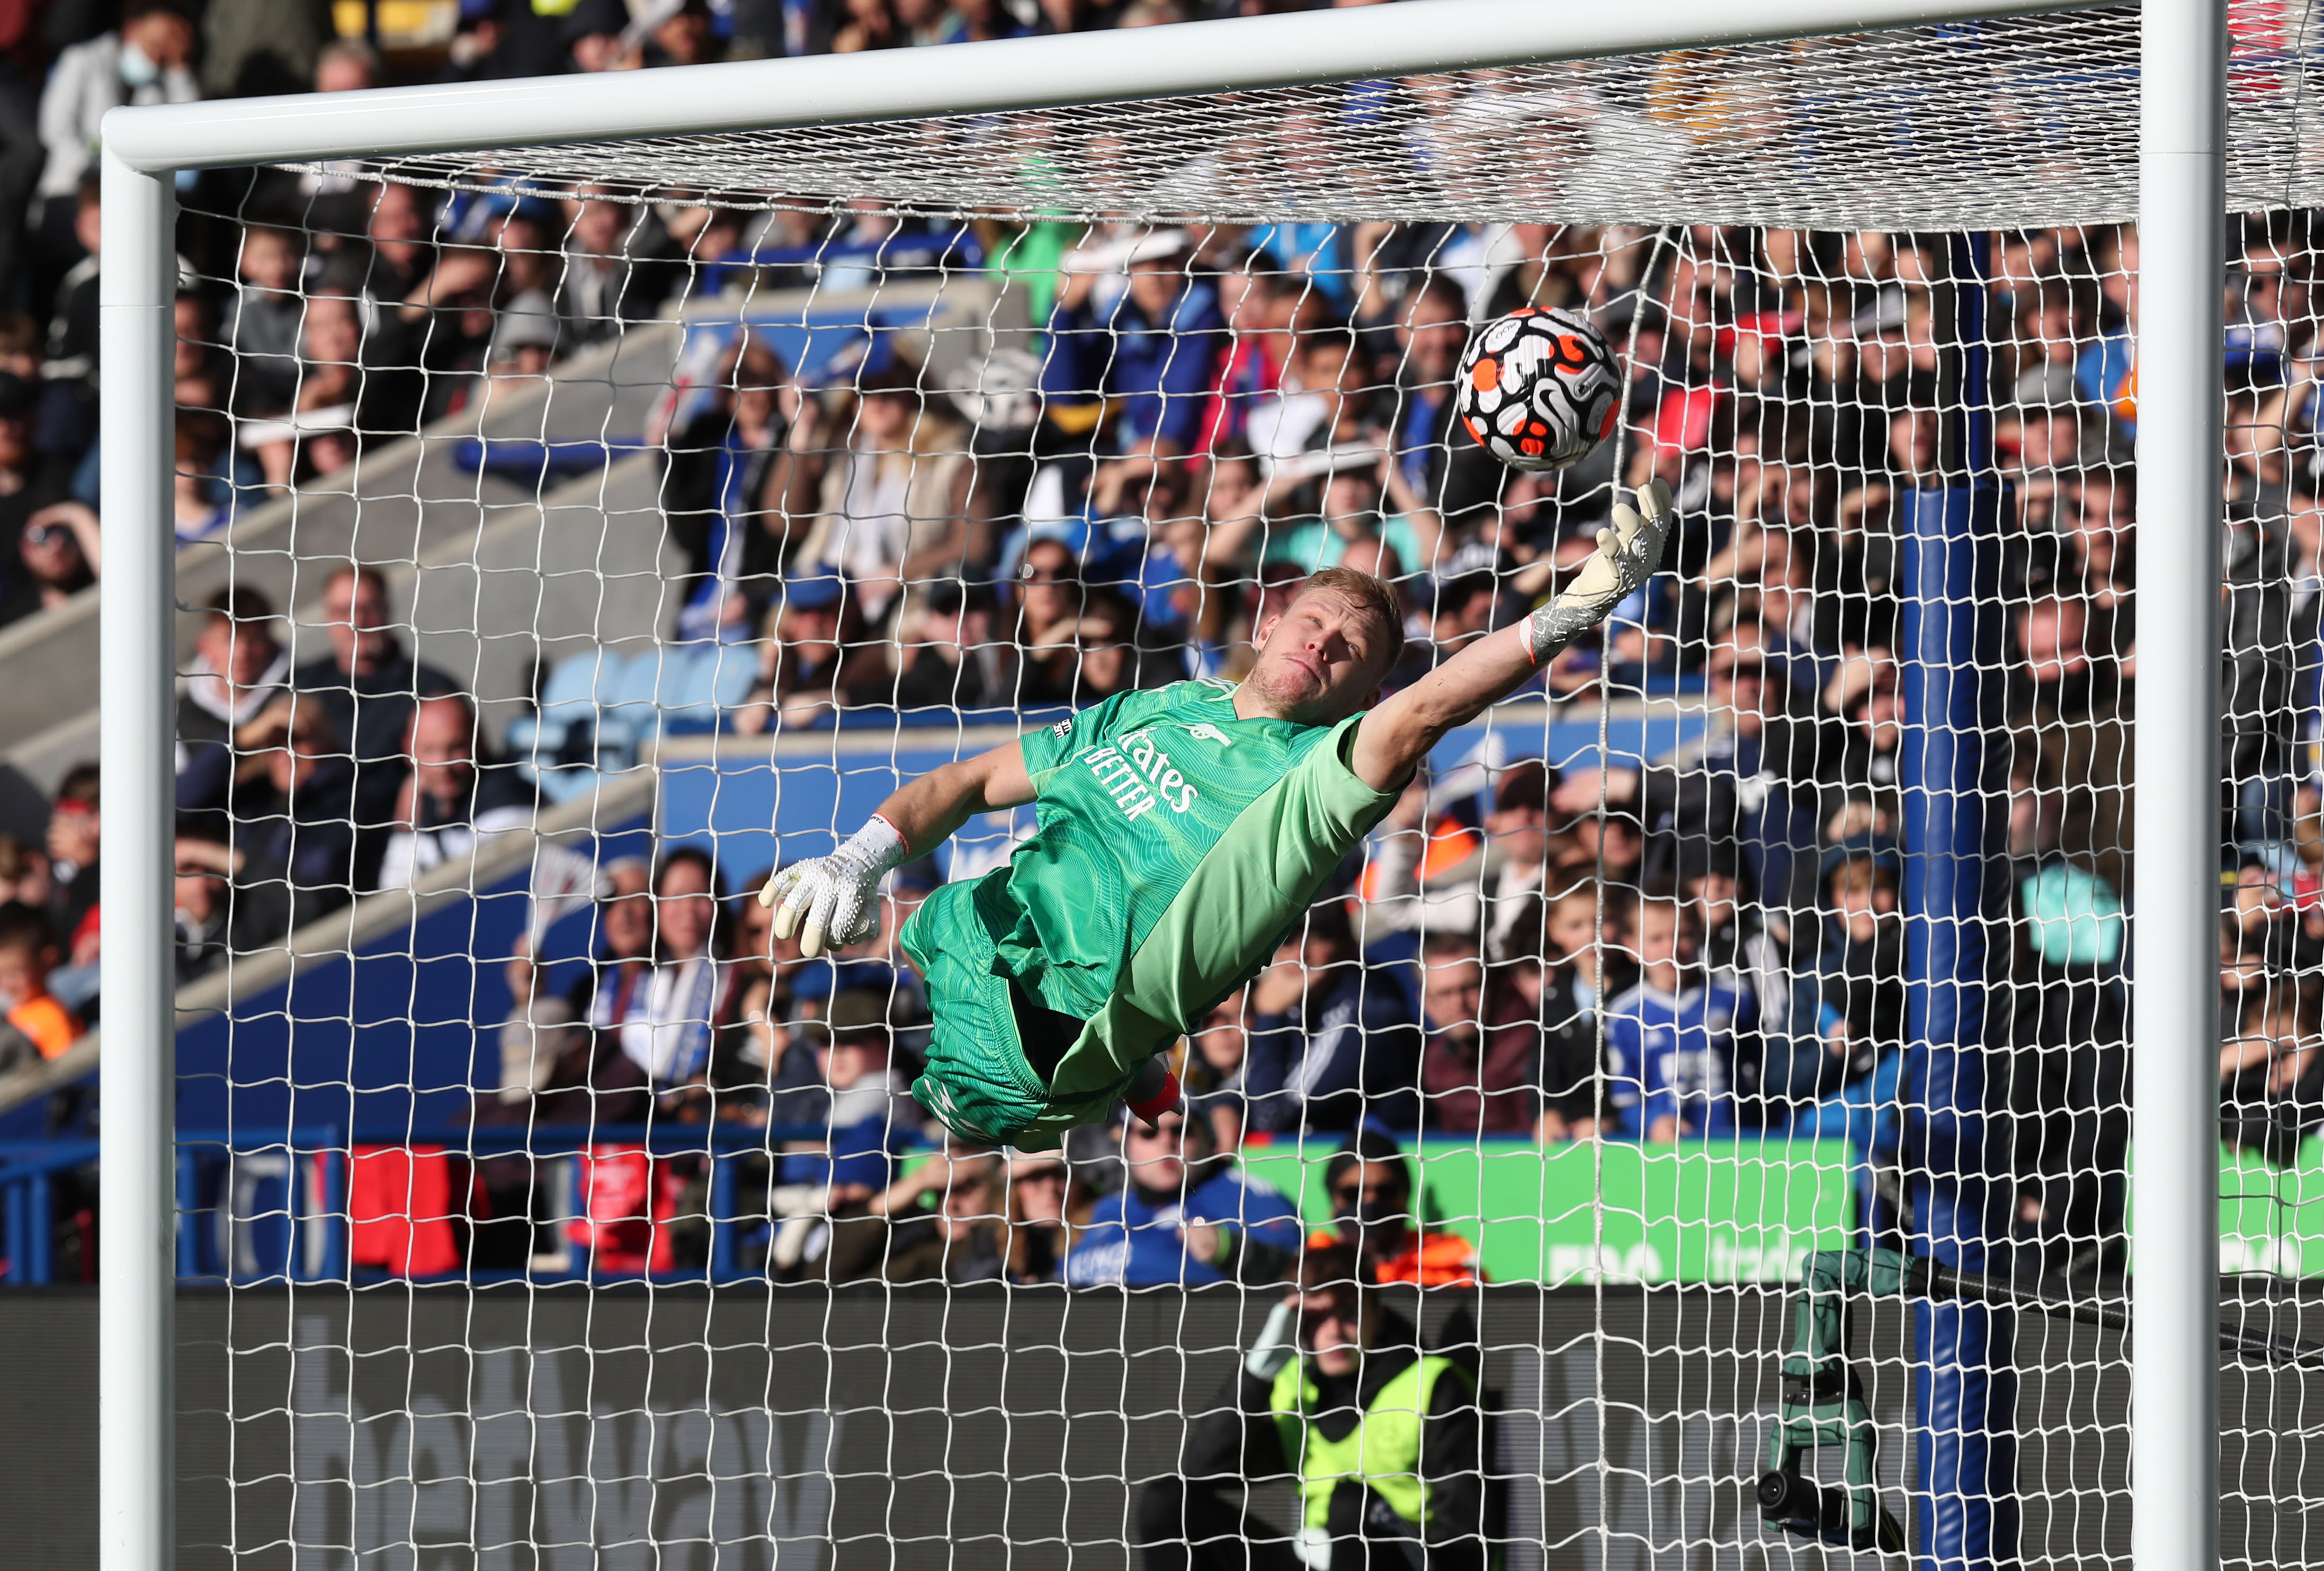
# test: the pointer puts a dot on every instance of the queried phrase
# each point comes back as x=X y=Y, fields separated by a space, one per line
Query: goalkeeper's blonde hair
x=1374 y=595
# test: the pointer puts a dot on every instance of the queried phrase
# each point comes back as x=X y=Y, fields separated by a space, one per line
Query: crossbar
x=1235 y=55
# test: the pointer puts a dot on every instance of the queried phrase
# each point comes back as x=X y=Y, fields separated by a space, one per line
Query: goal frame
x=2181 y=201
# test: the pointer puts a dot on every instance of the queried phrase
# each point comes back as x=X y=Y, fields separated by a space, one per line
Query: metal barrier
x=27 y=1201
x=231 y=1180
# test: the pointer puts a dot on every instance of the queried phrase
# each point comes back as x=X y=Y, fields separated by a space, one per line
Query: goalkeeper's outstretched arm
x=1395 y=737
x=837 y=896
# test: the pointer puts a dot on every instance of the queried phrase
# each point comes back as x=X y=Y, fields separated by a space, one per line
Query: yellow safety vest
x=1383 y=1450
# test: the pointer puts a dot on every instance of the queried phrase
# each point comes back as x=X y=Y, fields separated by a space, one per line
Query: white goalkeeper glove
x=838 y=894
x=1627 y=553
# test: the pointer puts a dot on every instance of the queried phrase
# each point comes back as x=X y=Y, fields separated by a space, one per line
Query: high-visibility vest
x=1382 y=1451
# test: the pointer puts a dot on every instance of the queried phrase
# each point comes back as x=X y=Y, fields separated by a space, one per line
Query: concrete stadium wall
x=868 y=1428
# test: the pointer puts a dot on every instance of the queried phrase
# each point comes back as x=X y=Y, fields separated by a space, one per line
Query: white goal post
x=2181 y=194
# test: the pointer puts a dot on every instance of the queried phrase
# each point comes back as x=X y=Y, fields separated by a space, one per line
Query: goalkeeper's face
x=1320 y=661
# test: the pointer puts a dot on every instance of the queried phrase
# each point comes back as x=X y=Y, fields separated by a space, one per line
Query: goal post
x=2174 y=1448
x=2182 y=191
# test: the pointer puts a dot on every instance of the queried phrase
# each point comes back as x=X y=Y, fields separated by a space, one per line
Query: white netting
x=549 y=1210
x=2022 y=120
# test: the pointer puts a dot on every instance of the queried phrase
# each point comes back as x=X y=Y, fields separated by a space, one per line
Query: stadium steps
x=520 y=564
x=620 y=799
x=410 y=495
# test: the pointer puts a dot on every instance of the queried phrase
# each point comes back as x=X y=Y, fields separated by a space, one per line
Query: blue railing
x=278 y=1209
x=28 y=1172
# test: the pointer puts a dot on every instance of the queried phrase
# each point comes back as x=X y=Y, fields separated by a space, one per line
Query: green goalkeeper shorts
x=981 y=1083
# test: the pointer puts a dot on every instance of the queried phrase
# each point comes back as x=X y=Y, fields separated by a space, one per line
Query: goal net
x=570 y=534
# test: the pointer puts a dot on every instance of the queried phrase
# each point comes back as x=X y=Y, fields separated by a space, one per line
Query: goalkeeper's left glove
x=838 y=894
x=1627 y=553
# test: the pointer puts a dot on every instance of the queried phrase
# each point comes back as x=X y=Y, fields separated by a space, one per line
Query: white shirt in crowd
x=87 y=80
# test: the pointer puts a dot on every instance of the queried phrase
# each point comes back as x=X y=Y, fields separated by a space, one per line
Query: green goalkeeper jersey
x=1178 y=844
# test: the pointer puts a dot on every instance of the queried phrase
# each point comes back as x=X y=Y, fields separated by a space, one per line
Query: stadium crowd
x=1706 y=946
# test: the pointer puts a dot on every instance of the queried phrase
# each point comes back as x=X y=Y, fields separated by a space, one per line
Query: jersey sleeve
x=1051 y=747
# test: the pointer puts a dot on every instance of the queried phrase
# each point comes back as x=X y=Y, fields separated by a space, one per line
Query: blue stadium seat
x=699 y=683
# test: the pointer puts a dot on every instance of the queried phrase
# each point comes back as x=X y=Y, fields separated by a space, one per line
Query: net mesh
x=549 y=1209
x=2023 y=120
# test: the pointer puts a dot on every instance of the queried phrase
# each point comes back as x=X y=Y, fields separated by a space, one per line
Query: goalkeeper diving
x=1183 y=832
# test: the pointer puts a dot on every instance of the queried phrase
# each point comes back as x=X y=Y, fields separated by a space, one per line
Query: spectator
x=952 y=659
x=1736 y=944
x=1325 y=400
x=715 y=491
x=1480 y=1062
x=60 y=552
x=854 y=1040
x=1428 y=457
x=74 y=837
x=685 y=35
x=1186 y=1216
x=367 y=686
x=1767 y=762
x=1132 y=365
x=670 y=1013
x=1106 y=658
x=24 y=490
x=28 y=953
x=263 y=320
x=198 y=363
x=1250 y=369
x=399 y=229
x=22 y=157
x=68 y=369
x=291 y=853
x=24 y=874
x=569 y=1067
x=1327 y=1398
x=961 y=1238
x=1859 y=965
x=1670 y=1038
x=1331 y=1043
x=526 y=338
x=346 y=65
x=345 y=393
x=1350 y=518
x=617 y=264
x=2106 y=371
x=1373 y=1212
x=816 y=659
x=204 y=911
x=257 y=48
x=889 y=493
x=2272 y=1075
x=2069 y=711
x=2071 y=1022
x=1576 y=972
x=1213 y=1078
x=239 y=668
x=1037 y=1231
x=1862 y=783
x=1493 y=887
x=143 y=60
x=1052 y=601
x=451 y=805
x=1606 y=837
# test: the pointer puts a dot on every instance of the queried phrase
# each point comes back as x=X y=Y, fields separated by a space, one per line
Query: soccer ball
x=1539 y=388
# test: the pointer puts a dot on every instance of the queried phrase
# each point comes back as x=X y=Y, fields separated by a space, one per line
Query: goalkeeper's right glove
x=1629 y=552
x=838 y=894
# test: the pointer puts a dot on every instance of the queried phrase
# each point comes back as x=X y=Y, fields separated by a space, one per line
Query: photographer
x=1384 y=1440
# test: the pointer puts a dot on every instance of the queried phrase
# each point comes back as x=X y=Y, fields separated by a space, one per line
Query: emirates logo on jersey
x=1138 y=774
